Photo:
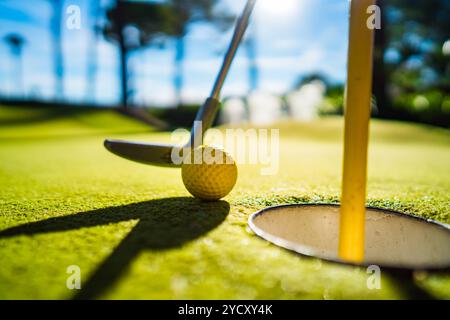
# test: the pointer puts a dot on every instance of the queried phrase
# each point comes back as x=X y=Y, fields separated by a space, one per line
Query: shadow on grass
x=406 y=284
x=163 y=224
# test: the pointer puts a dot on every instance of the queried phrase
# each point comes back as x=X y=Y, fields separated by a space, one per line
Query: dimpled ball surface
x=209 y=179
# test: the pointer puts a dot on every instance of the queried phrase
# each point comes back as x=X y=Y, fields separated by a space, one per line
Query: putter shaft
x=159 y=154
x=239 y=31
x=208 y=111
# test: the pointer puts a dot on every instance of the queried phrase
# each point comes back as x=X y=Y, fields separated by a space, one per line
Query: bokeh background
x=164 y=55
x=134 y=230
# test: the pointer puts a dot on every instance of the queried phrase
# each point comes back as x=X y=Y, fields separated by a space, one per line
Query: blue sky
x=294 y=38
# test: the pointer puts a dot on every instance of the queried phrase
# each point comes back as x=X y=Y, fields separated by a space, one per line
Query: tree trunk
x=253 y=72
x=57 y=49
x=123 y=55
x=380 y=76
x=91 y=83
x=123 y=73
x=178 y=77
x=21 y=83
x=91 y=72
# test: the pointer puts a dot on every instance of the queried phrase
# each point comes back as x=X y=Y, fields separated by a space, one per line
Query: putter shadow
x=163 y=224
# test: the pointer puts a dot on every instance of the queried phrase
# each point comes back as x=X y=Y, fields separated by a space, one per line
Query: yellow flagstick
x=357 y=114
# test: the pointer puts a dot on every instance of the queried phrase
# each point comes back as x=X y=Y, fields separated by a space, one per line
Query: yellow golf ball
x=209 y=173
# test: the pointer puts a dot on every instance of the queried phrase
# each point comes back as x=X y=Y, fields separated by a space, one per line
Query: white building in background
x=304 y=103
x=233 y=111
x=264 y=108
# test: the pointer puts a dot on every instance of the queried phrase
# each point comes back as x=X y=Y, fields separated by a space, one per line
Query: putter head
x=161 y=154
x=146 y=153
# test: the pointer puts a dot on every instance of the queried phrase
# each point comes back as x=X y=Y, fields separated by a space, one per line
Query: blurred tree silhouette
x=55 y=26
x=96 y=11
x=134 y=25
x=411 y=69
x=250 y=43
x=185 y=13
x=16 y=42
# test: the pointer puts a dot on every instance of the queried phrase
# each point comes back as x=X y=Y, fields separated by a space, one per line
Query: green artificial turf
x=136 y=233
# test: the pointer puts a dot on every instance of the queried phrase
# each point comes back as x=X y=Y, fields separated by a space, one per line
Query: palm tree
x=91 y=72
x=253 y=71
x=16 y=42
x=151 y=20
x=185 y=13
x=58 y=60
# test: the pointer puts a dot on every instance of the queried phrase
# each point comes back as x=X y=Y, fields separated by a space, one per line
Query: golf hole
x=393 y=240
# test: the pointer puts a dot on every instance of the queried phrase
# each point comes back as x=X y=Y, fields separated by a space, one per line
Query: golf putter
x=160 y=154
